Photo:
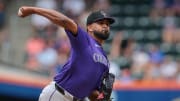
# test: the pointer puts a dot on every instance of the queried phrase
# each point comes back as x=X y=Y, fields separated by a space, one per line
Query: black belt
x=62 y=91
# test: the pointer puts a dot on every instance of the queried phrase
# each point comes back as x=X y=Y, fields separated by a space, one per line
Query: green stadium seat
x=138 y=35
x=144 y=9
x=143 y=22
x=115 y=10
x=167 y=48
x=177 y=46
x=130 y=10
x=129 y=22
x=127 y=34
x=153 y=36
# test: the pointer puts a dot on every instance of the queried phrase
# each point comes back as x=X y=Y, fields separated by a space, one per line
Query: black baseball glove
x=106 y=88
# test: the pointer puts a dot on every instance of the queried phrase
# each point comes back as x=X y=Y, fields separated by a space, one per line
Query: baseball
x=20 y=12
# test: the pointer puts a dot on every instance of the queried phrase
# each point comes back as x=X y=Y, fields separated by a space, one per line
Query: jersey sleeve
x=80 y=41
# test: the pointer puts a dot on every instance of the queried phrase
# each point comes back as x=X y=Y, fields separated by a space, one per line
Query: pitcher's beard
x=103 y=36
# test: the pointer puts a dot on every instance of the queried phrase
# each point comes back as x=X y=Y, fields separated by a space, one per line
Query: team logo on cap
x=103 y=13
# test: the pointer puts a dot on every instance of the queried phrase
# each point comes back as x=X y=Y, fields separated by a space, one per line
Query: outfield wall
x=29 y=88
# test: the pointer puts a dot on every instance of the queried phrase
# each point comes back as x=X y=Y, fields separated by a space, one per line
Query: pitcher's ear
x=89 y=28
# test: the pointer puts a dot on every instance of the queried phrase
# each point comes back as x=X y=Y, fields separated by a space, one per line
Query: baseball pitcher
x=88 y=66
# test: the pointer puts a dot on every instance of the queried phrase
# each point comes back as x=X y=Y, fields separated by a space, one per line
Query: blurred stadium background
x=144 y=47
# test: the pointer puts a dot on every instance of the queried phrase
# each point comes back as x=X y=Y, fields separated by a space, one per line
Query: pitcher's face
x=101 y=29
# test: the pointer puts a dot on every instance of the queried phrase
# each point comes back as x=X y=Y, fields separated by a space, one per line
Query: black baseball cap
x=99 y=15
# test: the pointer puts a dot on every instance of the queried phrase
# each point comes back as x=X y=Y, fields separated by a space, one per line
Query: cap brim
x=111 y=20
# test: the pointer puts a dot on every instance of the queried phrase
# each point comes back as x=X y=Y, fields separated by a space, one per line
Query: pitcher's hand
x=25 y=11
